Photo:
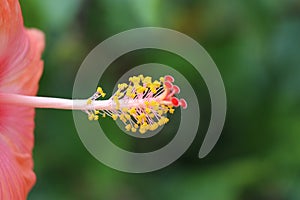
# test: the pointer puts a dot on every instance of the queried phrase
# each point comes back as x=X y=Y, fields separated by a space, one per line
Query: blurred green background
x=256 y=46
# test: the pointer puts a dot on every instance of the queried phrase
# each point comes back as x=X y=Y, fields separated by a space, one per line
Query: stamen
x=141 y=105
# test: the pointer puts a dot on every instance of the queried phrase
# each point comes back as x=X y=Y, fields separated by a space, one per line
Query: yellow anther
x=115 y=117
x=122 y=86
x=128 y=117
x=135 y=80
x=130 y=88
x=156 y=83
x=116 y=100
x=142 y=130
x=156 y=108
x=141 y=77
x=96 y=112
x=125 y=110
x=132 y=96
x=136 y=126
x=154 y=103
x=91 y=117
x=140 y=90
x=163 y=121
x=147 y=110
x=99 y=90
x=147 y=81
x=104 y=115
x=153 y=127
x=160 y=122
x=162 y=79
x=139 y=120
x=121 y=95
x=153 y=89
x=96 y=117
x=133 y=130
x=128 y=93
x=122 y=118
x=165 y=109
x=160 y=112
x=89 y=102
x=166 y=120
x=117 y=94
x=147 y=103
x=142 y=117
x=144 y=125
x=172 y=111
x=128 y=127
x=132 y=111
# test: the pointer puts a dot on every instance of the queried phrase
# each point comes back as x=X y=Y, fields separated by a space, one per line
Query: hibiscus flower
x=141 y=105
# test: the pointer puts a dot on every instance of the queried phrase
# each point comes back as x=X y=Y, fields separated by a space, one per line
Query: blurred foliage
x=255 y=44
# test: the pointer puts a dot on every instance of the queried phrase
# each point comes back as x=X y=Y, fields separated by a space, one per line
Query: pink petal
x=20 y=70
x=16 y=175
